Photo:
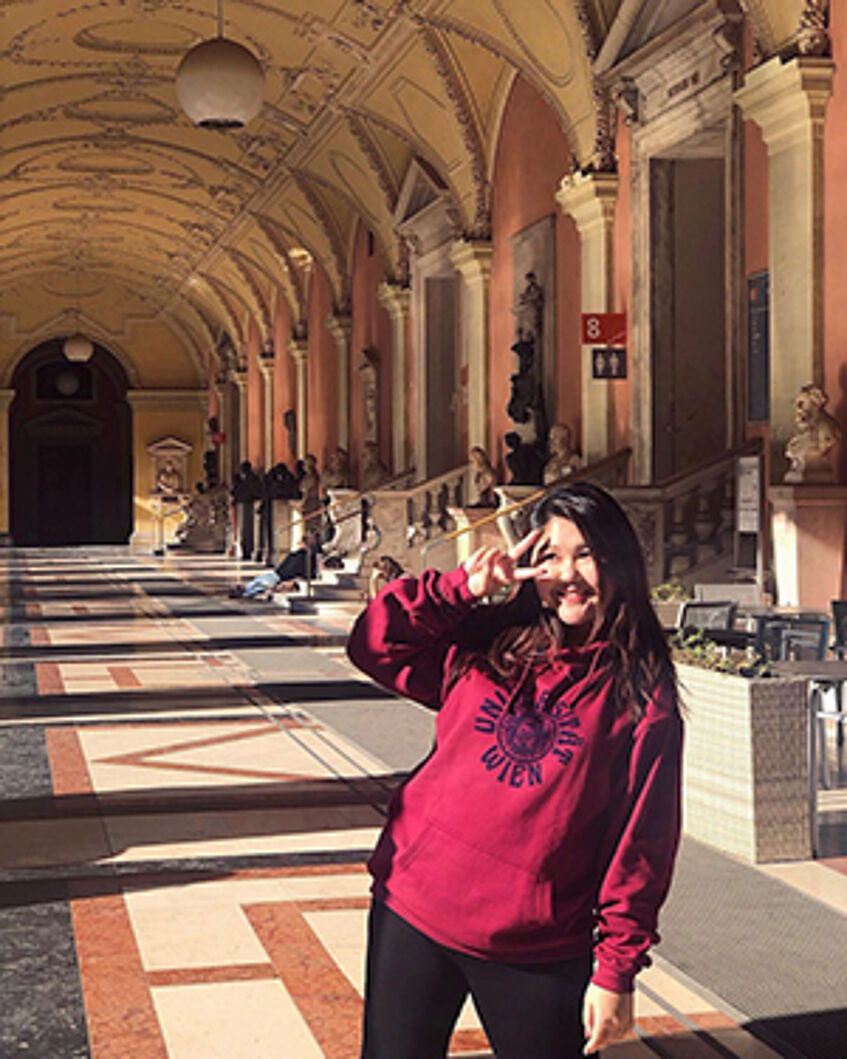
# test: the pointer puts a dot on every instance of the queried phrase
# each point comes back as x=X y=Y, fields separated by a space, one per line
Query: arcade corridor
x=190 y=789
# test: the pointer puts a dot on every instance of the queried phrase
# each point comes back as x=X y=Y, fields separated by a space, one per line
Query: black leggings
x=415 y=989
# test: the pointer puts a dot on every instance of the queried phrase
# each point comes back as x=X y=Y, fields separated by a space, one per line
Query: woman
x=525 y=860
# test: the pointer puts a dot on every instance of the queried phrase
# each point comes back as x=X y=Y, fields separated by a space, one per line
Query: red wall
x=621 y=391
x=835 y=231
x=284 y=383
x=371 y=329
x=255 y=400
x=532 y=157
x=322 y=399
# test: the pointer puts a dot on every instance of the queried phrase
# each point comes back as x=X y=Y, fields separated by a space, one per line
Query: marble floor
x=189 y=788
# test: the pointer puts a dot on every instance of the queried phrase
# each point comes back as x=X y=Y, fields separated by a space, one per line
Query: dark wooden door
x=64 y=494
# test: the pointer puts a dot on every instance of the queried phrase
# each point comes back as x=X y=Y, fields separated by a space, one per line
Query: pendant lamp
x=76 y=347
x=219 y=83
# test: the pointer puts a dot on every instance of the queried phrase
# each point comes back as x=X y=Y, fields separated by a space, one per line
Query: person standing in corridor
x=525 y=860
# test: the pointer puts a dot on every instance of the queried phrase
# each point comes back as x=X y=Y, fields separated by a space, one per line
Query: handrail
x=429 y=484
x=750 y=447
x=497 y=513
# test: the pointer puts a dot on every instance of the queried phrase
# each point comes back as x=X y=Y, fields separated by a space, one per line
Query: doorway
x=70 y=450
x=64 y=494
x=688 y=325
x=443 y=407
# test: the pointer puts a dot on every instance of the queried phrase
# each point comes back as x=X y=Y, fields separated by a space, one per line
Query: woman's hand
x=490 y=569
x=606 y=1017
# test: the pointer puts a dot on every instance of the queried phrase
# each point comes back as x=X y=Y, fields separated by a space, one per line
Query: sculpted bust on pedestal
x=816 y=434
x=563 y=458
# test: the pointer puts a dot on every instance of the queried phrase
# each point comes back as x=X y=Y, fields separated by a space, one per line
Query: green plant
x=694 y=648
x=672 y=591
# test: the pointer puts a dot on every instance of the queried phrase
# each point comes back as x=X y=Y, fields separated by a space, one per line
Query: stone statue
x=168 y=480
x=370 y=394
x=562 y=457
x=373 y=470
x=281 y=483
x=525 y=461
x=336 y=474
x=310 y=485
x=484 y=478
x=816 y=434
x=289 y=421
x=247 y=485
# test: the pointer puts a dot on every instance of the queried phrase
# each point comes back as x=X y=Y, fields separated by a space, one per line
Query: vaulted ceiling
x=113 y=205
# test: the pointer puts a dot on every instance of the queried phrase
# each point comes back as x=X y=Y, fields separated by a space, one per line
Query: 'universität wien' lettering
x=524 y=740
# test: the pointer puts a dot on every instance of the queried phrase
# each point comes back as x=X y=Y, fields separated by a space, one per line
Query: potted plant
x=746 y=781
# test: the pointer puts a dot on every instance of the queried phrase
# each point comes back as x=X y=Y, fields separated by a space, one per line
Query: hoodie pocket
x=470 y=894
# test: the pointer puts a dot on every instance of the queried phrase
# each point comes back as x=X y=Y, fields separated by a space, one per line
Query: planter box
x=746 y=782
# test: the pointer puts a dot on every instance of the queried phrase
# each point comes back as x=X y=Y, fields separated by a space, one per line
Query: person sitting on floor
x=300 y=562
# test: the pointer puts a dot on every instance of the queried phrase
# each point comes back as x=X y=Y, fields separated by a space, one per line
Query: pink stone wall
x=322 y=434
x=255 y=399
x=532 y=157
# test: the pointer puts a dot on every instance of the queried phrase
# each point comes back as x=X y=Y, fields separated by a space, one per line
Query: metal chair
x=703 y=614
x=803 y=636
x=835 y=713
x=784 y=636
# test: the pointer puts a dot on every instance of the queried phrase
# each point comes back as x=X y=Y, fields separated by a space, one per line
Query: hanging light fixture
x=77 y=348
x=219 y=83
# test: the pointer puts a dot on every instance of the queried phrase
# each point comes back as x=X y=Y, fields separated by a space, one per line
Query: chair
x=835 y=712
x=839 y=624
x=711 y=614
x=783 y=636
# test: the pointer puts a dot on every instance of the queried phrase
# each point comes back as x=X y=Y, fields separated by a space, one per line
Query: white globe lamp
x=219 y=83
x=77 y=348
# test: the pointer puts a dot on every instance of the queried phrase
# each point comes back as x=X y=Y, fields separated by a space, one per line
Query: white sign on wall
x=747 y=494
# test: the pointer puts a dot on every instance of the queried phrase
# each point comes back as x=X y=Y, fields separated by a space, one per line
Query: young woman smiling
x=525 y=860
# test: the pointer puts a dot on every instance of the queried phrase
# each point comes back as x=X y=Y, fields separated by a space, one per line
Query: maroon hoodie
x=545 y=822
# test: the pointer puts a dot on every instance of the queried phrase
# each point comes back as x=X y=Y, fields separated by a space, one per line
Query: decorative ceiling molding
x=259 y=306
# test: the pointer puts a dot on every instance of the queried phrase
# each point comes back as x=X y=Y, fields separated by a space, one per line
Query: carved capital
x=266 y=364
x=472 y=259
x=340 y=327
x=787 y=100
x=589 y=198
x=239 y=377
x=396 y=299
x=298 y=348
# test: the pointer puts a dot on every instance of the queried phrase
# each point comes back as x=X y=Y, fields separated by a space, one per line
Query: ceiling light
x=78 y=348
x=219 y=83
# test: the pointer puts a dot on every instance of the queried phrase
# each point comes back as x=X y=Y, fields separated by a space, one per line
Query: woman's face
x=570 y=582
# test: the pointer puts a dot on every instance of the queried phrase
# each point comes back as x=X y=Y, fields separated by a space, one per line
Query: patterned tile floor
x=183 y=832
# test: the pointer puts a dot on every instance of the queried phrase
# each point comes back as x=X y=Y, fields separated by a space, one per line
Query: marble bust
x=816 y=434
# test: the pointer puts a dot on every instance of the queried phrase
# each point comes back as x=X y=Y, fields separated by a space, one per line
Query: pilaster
x=239 y=377
x=6 y=398
x=299 y=350
x=397 y=300
x=472 y=260
x=266 y=367
x=341 y=327
x=788 y=102
x=590 y=198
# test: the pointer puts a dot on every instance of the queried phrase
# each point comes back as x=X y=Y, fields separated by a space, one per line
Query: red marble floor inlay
x=123 y=676
x=68 y=766
x=119 y=1008
x=237 y=972
x=838 y=864
x=49 y=679
x=38 y=636
x=324 y=996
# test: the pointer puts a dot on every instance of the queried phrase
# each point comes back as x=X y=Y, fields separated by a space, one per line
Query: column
x=396 y=300
x=6 y=398
x=340 y=327
x=473 y=262
x=590 y=199
x=225 y=448
x=788 y=102
x=239 y=377
x=299 y=350
x=266 y=367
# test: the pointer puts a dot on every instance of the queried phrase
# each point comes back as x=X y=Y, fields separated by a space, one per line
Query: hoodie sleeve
x=639 y=872
x=403 y=638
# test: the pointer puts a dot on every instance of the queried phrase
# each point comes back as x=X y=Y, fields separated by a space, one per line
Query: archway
x=70 y=459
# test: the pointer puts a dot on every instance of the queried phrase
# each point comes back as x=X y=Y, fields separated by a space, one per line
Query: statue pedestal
x=345 y=511
x=809 y=531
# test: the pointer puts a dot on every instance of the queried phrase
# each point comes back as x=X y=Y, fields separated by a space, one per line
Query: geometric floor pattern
x=186 y=806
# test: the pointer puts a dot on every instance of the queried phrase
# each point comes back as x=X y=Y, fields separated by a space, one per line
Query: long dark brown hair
x=626 y=622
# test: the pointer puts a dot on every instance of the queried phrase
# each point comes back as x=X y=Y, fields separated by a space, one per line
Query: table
x=817 y=672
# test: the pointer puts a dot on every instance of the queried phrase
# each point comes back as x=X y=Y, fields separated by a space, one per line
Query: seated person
x=300 y=562
x=385 y=569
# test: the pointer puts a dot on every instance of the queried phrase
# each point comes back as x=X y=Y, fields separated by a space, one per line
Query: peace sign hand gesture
x=490 y=569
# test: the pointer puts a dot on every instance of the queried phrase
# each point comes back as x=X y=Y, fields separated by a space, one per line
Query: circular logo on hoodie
x=527 y=737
